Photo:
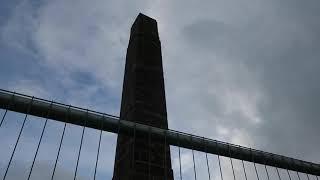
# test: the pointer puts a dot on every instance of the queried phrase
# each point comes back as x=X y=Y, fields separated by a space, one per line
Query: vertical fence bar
x=16 y=144
x=40 y=140
x=307 y=176
x=97 y=158
x=60 y=144
x=179 y=157
x=234 y=175
x=298 y=175
x=279 y=173
x=244 y=169
x=289 y=174
x=265 y=167
x=219 y=160
x=81 y=142
x=194 y=163
x=209 y=176
x=254 y=164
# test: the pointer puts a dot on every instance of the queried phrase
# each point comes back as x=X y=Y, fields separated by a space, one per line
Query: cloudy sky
x=239 y=71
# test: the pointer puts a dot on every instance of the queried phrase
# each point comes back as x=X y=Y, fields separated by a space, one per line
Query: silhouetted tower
x=143 y=101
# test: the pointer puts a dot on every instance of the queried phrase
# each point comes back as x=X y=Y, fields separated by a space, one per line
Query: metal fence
x=193 y=157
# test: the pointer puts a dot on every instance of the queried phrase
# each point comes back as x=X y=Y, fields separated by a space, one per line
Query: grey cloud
x=281 y=50
x=209 y=34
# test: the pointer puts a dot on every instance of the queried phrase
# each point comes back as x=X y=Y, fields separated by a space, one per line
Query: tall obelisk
x=143 y=101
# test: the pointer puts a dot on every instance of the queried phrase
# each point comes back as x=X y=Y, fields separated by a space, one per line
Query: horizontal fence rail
x=74 y=115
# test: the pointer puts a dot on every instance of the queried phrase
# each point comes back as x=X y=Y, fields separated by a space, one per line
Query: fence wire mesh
x=41 y=148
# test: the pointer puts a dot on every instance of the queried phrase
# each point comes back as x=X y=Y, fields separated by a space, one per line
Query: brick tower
x=143 y=101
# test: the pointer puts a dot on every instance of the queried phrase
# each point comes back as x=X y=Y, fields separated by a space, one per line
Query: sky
x=244 y=72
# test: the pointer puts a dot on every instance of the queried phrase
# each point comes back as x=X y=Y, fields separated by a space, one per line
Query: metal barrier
x=11 y=101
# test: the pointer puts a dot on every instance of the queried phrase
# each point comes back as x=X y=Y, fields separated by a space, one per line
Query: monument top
x=143 y=16
x=145 y=25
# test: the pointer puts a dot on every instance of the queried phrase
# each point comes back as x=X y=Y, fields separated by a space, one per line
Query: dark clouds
x=282 y=50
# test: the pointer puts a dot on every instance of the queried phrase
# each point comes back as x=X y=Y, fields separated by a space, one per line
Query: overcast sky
x=244 y=72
